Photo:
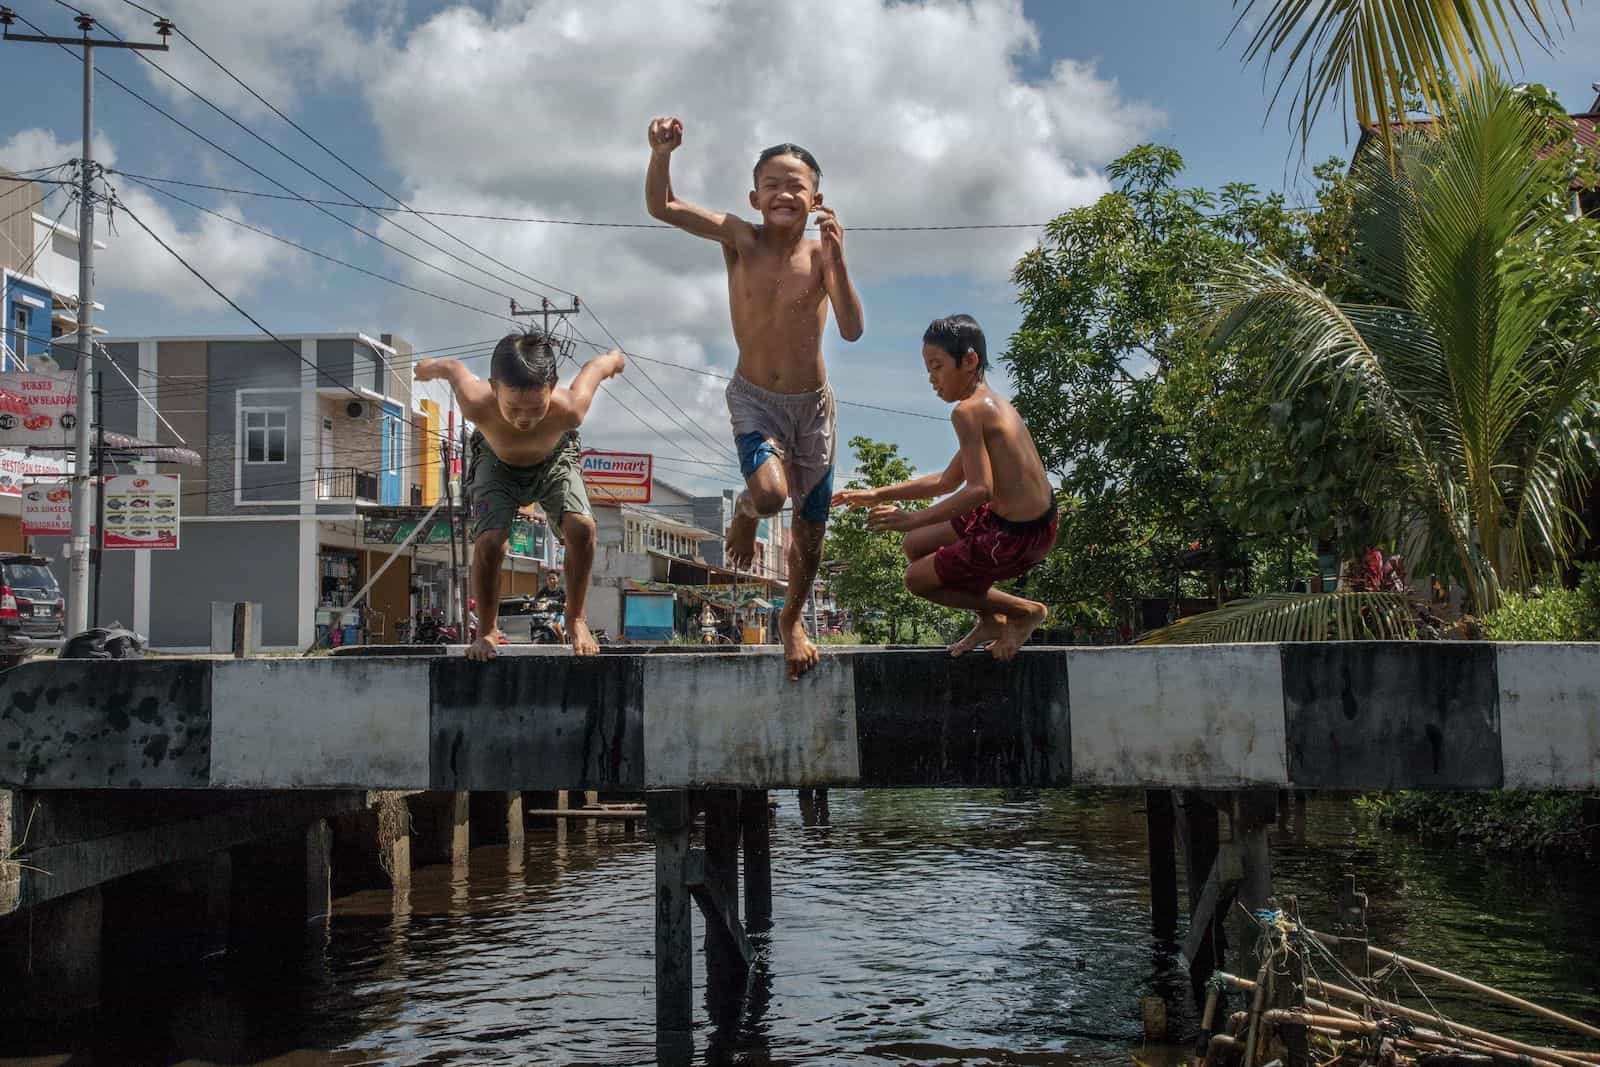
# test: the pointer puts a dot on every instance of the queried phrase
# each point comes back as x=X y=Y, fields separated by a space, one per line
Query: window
x=21 y=319
x=266 y=435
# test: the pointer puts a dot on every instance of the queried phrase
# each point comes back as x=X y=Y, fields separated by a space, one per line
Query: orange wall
x=11 y=534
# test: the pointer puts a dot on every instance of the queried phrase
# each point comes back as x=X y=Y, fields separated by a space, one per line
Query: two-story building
x=298 y=446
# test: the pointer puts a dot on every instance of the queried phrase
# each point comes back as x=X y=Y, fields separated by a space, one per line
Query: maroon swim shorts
x=992 y=549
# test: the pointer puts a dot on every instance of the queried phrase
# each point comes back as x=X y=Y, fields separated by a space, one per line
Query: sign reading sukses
x=37 y=408
x=46 y=507
x=142 y=511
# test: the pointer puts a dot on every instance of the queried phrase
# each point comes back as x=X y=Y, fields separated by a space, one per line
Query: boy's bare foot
x=799 y=654
x=1017 y=630
x=988 y=629
x=485 y=647
x=583 y=642
x=741 y=543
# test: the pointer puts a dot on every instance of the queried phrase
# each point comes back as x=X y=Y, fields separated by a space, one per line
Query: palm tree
x=1475 y=347
x=1377 y=51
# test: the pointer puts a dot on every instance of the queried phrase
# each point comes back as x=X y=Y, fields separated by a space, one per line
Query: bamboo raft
x=1298 y=1019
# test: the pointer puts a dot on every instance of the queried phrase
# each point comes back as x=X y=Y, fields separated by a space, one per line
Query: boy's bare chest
x=760 y=279
x=522 y=447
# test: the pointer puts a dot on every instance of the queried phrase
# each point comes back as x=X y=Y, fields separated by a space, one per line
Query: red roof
x=1586 y=131
x=1586 y=128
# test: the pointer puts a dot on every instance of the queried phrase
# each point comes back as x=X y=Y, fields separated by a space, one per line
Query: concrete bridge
x=1363 y=716
x=134 y=768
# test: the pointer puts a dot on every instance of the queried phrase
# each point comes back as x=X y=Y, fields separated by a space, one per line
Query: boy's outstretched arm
x=589 y=378
x=976 y=472
x=847 y=310
x=470 y=389
x=666 y=134
x=924 y=488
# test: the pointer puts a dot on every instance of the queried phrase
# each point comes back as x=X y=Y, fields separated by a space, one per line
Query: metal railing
x=347 y=483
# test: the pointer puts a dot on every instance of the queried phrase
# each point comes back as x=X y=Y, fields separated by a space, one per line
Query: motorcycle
x=539 y=614
x=430 y=629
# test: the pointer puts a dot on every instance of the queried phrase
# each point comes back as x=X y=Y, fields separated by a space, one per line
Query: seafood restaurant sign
x=46 y=508
x=142 y=511
x=618 y=477
x=37 y=409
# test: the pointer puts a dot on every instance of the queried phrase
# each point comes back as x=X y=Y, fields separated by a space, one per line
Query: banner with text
x=46 y=507
x=618 y=477
x=37 y=408
x=18 y=467
x=142 y=511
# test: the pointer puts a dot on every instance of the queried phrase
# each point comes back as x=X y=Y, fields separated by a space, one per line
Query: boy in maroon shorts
x=1000 y=519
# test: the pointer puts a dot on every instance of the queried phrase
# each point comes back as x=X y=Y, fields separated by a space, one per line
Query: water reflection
x=919 y=926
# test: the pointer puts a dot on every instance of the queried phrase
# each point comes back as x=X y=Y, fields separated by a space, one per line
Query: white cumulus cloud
x=133 y=263
x=918 y=112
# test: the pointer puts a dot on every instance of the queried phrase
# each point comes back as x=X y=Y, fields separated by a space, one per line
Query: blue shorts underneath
x=754 y=451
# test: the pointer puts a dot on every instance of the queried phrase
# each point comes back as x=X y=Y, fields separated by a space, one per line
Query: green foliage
x=1386 y=57
x=1468 y=339
x=870 y=584
x=1502 y=820
x=1340 y=616
x=1554 y=614
x=1178 y=473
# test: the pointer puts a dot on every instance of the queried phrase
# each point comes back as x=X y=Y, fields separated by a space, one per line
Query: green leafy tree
x=1477 y=358
x=1173 y=462
x=871 y=565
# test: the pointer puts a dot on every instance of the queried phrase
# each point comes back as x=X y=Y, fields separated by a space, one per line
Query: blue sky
x=921 y=115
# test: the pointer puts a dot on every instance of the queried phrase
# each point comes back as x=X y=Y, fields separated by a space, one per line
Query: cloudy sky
x=929 y=113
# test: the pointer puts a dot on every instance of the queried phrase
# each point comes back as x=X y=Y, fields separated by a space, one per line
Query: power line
x=302 y=166
x=728 y=377
x=229 y=300
x=267 y=177
x=545 y=221
x=309 y=251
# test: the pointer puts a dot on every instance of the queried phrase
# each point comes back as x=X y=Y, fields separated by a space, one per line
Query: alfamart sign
x=618 y=477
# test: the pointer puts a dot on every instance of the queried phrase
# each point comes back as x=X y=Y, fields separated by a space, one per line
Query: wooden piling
x=668 y=816
x=756 y=842
x=719 y=898
x=1253 y=813
x=496 y=819
x=439 y=827
x=1198 y=824
x=1159 y=817
x=278 y=887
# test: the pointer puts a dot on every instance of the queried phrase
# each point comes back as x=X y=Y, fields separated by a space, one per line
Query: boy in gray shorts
x=525 y=450
x=780 y=286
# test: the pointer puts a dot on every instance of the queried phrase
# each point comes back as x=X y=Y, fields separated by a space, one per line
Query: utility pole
x=545 y=309
x=83 y=481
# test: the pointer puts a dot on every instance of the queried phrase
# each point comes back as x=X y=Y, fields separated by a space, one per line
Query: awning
x=725 y=573
x=124 y=447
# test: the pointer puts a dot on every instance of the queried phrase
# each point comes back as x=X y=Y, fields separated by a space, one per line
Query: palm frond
x=1367 y=52
x=1280 y=617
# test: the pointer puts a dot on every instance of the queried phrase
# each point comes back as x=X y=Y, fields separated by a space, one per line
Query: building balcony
x=347 y=484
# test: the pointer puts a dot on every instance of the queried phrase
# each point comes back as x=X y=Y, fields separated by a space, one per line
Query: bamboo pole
x=1565 y=1059
x=1476 y=987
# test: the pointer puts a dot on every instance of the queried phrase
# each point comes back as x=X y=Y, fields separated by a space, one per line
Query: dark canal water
x=920 y=927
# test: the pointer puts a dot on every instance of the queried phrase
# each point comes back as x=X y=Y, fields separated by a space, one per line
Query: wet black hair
x=524 y=361
x=958 y=335
x=787 y=149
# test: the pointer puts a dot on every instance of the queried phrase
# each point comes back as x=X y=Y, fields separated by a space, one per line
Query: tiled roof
x=1584 y=132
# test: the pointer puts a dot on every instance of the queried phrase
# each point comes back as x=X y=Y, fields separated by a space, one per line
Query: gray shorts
x=797 y=429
